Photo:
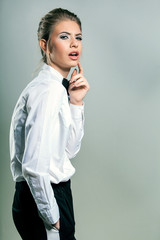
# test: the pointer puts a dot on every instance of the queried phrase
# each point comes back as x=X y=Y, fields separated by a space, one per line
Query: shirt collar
x=53 y=71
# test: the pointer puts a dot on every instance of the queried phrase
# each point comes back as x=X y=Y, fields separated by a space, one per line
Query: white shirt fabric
x=45 y=133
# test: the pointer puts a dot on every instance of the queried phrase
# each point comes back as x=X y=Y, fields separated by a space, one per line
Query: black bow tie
x=65 y=83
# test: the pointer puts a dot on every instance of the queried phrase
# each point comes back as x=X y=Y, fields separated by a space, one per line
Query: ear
x=43 y=45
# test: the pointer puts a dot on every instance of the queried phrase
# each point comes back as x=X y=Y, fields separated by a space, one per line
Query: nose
x=74 y=43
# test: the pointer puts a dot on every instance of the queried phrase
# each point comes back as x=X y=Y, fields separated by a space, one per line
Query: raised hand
x=78 y=86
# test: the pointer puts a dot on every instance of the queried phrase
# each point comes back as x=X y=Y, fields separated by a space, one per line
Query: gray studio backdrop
x=116 y=187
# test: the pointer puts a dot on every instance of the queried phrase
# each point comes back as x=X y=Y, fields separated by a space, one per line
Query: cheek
x=56 y=49
x=80 y=49
x=60 y=48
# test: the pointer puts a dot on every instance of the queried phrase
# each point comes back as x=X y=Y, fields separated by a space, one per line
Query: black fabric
x=25 y=214
x=65 y=83
x=63 y=195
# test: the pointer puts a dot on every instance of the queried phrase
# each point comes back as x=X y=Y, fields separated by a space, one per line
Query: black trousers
x=26 y=218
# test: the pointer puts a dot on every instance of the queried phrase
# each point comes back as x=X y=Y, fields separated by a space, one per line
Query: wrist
x=76 y=102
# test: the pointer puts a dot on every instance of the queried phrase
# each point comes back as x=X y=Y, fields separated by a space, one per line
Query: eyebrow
x=70 y=34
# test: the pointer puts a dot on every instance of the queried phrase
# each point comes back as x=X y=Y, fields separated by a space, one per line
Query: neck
x=63 y=71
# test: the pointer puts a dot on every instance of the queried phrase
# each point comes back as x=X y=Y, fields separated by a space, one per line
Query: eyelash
x=79 y=38
x=65 y=37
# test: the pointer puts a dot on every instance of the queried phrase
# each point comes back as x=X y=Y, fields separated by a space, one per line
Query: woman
x=46 y=132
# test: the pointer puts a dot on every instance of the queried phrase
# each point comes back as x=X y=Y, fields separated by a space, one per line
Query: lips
x=74 y=55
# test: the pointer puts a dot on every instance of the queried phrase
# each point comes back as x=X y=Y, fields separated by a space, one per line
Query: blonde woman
x=46 y=131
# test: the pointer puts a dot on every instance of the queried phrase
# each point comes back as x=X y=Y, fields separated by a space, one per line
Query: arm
x=76 y=135
x=77 y=89
x=42 y=109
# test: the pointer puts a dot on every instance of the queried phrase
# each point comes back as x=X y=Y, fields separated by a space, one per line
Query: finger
x=74 y=72
x=77 y=88
x=78 y=85
x=80 y=68
x=76 y=77
x=80 y=80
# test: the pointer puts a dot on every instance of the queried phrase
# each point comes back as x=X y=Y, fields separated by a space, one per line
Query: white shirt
x=45 y=133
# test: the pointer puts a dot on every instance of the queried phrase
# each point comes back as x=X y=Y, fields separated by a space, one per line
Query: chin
x=74 y=64
x=71 y=64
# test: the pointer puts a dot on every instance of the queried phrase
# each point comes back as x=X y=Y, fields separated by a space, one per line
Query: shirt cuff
x=55 y=213
x=51 y=216
x=77 y=111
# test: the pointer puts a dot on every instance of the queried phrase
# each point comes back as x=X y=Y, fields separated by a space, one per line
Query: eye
x=79 y=38
x=63 y=36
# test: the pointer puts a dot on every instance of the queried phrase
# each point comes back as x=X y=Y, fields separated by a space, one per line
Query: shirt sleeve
x=42 y=110
x=77 y=132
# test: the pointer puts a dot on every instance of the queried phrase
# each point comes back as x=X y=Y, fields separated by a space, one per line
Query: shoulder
x=44 y=82
x=47 y=83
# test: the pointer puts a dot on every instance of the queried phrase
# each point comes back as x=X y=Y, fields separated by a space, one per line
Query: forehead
x=67 y=26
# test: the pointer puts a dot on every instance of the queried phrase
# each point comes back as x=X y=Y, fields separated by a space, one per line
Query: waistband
x=23 y=184
x=62 y=184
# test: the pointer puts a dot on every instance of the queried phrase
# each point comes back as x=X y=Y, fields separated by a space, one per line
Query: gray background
x=117 y=184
